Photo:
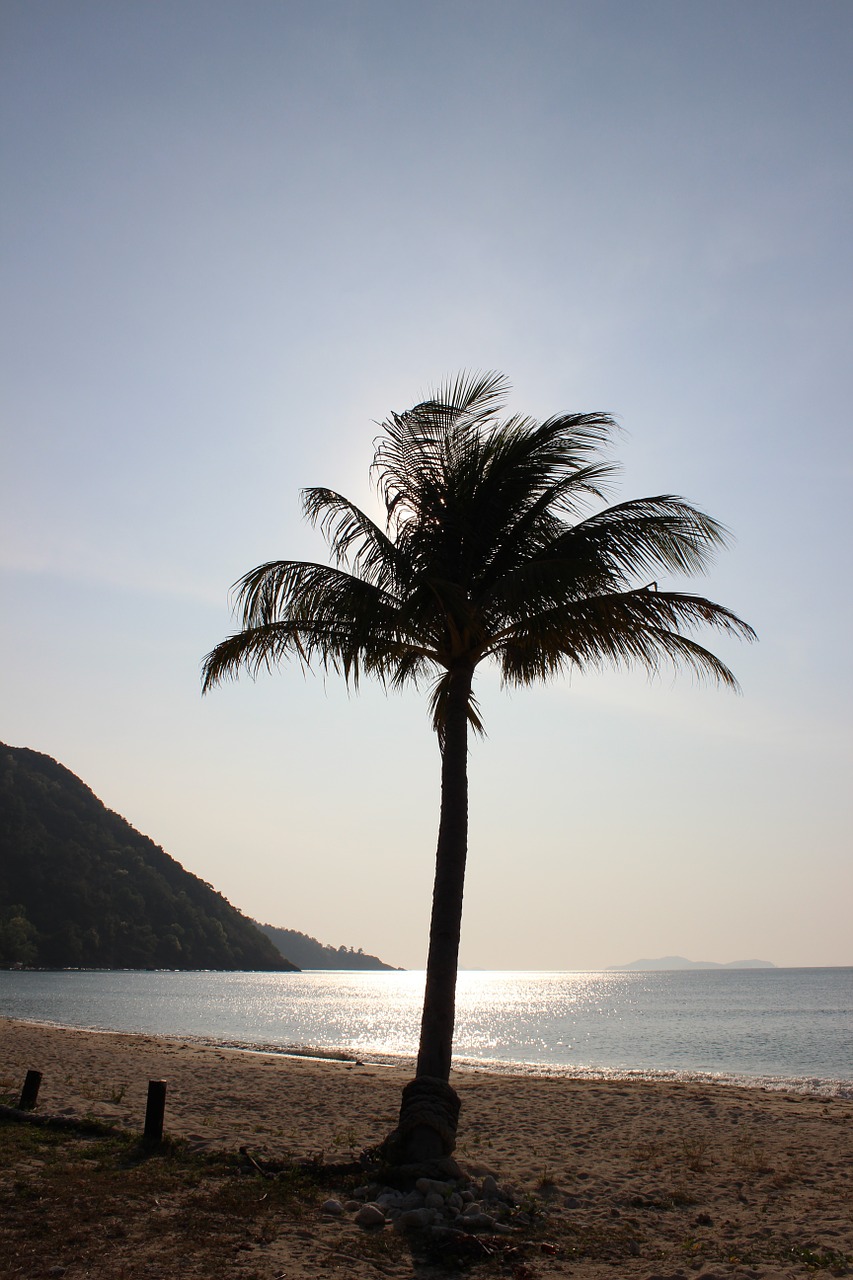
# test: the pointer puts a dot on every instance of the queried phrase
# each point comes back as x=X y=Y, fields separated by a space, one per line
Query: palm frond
x=438 y=702
x=528 y=527
x=321 y=616
x=353 y=538
x=648 y=534
x=476 y=395
x=251 y=649
x=421 y=448
x=642 y=628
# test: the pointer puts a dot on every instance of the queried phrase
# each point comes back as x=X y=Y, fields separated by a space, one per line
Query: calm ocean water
x=784 y=1028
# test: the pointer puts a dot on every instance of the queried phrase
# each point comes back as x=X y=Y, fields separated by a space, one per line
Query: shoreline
x=812 y=1086
x=749 y=1173
x=103 y=1055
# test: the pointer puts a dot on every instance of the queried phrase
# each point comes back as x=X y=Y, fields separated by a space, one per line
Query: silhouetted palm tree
x=487 y=553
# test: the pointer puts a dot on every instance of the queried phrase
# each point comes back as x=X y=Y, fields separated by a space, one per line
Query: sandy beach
x=683 y=1179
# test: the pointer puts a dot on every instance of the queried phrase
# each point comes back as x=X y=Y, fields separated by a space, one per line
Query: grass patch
x=100 y=1203
x=749 y=1156
x=695 y=1151
x=817 y=1259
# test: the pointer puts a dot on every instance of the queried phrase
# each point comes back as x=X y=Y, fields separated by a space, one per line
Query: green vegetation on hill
x=308 y=953
x=81 y=888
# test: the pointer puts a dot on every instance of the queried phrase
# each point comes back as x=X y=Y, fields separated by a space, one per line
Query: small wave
x=816 y=1086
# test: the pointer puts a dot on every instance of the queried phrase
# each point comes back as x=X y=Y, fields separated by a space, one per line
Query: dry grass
x=98 y=1204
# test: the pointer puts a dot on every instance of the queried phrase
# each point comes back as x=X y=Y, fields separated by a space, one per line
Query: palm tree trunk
x=426 y=1133
x=439 y=1013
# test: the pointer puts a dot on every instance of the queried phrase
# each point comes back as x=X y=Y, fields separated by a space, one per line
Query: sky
x=235 y=237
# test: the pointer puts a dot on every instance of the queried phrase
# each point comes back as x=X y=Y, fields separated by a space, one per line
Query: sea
x=769 y=1028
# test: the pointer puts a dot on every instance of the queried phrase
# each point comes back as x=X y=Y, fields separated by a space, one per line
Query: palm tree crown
x=487 y=553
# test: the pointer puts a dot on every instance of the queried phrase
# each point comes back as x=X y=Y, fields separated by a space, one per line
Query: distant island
x=679 y=962
x=80 y=888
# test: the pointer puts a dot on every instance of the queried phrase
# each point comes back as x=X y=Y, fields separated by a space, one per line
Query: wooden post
x=30 y=1091
x=154 y=1111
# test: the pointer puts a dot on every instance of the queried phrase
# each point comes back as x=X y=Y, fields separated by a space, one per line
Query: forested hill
x=81 y=888
x=308 y=953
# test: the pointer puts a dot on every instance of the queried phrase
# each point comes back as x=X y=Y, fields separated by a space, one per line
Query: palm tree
x=488 y=553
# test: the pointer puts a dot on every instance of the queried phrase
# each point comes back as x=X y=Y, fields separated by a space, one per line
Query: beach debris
x=254 y=1164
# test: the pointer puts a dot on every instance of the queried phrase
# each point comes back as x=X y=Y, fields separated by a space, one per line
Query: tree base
x=422 y=1145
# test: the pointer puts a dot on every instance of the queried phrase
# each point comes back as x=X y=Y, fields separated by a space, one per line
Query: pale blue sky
x=237 y=235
